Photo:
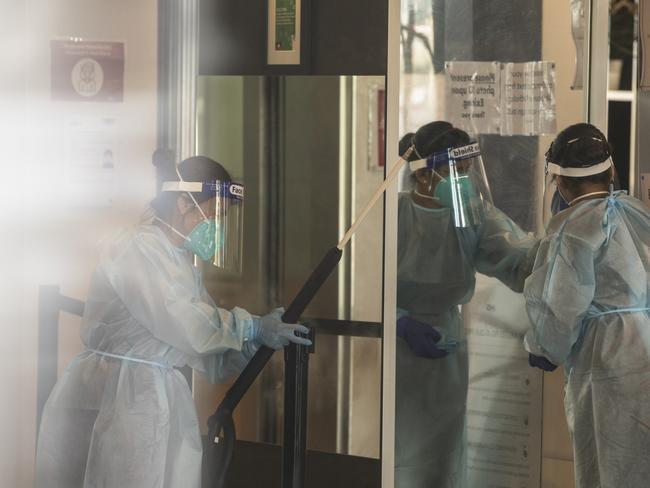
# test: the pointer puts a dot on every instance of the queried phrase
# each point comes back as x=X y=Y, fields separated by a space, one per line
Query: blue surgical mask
x=202 y=240
x=558 y=203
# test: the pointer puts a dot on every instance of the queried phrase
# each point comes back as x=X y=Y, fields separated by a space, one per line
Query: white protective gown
x=122 y=415
x=436 y=268
x=588 y=300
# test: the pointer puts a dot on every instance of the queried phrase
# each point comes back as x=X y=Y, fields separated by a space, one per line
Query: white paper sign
x=473 y=91
x=90 y=161
x=528 y=98
x=504 y=403
x=501 y=98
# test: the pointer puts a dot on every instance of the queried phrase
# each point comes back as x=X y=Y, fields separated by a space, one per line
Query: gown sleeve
x=504 y=250
x=162 y=291
x=558 y=293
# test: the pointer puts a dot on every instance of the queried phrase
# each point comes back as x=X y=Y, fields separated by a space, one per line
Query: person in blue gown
x=122 y=414
x=588 y=300
x=436 y=273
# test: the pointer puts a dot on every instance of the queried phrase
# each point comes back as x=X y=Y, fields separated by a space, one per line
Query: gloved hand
x=421 y=338
x=541 y=362
x=273 y=333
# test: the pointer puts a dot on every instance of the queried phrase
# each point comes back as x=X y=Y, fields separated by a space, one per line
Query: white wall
x=48 y=239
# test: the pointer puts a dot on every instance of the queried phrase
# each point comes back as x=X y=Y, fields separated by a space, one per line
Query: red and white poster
x=91 y=71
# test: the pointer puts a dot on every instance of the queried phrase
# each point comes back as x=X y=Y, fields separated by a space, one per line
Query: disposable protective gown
x=587 y=300
x=436 y=271
x=121 y=415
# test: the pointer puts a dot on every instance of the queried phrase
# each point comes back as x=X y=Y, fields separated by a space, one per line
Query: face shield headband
x=442 y=158
x=463 y=188
x=207 y=189
x=220 y=237
x=557 y=169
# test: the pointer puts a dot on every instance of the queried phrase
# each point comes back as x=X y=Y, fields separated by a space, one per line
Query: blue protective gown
x=122 y=415
x=587 y=300
x=436 y=267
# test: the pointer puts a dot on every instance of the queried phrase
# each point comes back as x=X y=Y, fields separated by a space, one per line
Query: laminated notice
x=473 y=94
x=528 y=98
x=504 y=396
x=501 y=98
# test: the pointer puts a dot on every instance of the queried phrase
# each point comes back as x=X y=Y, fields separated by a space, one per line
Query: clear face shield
x=458 y=182
x=553 y=199
x=219 y=237
x=229 y=225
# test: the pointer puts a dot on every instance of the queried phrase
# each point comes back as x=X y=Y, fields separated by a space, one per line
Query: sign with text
x=90 y=161
x=285 y=24
x=473 y=90
x=504 y=400
x=501 y=98
x=90 y=71
x=283 y=32
x=528 y=98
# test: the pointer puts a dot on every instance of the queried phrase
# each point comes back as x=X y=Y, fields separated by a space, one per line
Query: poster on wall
x=87 y=71
x=504 y=401
x=283 y=41
x=90 y=161
x=528 y=98
x=473 y=90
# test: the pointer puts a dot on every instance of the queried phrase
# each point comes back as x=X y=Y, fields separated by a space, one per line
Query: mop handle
x=389 y=179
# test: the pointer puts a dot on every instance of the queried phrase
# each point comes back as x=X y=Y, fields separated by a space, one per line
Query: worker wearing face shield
x=122 y=414
x=588 y=302
x=448 y=229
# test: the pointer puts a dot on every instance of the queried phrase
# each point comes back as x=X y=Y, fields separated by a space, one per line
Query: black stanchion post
x=296 y=381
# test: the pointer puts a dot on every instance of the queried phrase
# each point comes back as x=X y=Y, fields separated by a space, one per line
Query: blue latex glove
x=541 y=362
x=421 y=338
x=273 y=333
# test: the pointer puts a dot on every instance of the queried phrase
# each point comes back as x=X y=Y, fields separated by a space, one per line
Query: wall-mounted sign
x=283 y=33
x=90 y=71
x=473 y=91
x=90 y=161
x=491 y=97
x=528 y=98
x=504 y=397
